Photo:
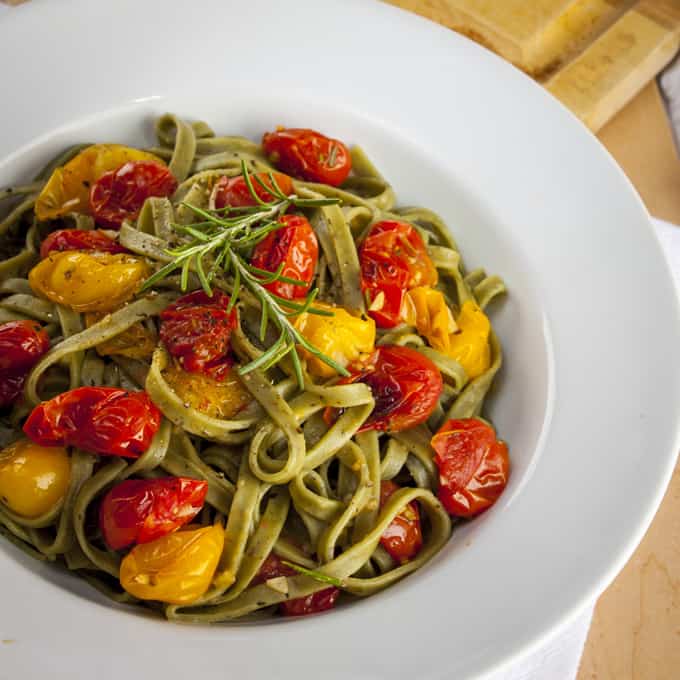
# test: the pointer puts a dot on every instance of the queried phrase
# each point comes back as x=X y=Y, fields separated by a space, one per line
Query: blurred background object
x=593 y=55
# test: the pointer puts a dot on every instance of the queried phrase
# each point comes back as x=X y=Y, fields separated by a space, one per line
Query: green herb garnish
x=316 y=575
x=221 y=243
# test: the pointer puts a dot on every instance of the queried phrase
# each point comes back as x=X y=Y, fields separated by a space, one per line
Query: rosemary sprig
x=316 y=575
x=221 y=243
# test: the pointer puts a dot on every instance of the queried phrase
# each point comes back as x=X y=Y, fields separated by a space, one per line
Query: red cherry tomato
x=120 y=195
x=473 y=466
x=22 y=343
x=320 y=601
x=105 y=420
x=234 y=192
x=405 y=384
x=384 y=301
x=296 y=246
x=196 y=330
x=403 y=538
x=142 y=510
x=309 y=155
x=317 y=602
x=80 y=239
x=393 y=259
x=272 y=567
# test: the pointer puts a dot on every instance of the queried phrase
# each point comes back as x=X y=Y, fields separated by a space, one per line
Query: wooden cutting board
x=593 y=55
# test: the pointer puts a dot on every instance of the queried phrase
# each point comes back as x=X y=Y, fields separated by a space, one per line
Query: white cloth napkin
x=669 y=235
x=670 y=86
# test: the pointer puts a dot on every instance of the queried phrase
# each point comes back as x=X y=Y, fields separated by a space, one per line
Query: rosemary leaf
x=220 y=244
x=316 y=575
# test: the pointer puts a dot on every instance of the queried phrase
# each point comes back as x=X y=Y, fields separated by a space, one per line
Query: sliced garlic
x=279 y=584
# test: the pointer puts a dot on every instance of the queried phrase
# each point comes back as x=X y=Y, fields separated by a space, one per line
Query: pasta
x=303 y=468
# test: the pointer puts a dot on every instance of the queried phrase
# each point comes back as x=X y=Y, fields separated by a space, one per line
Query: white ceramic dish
x=589 y=396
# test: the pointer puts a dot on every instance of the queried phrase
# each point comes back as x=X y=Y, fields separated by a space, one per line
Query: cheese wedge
x=608 y=73
x=537 y=35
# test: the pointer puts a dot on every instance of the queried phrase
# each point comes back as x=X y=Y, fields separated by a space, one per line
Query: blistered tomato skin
x=320 y=601
x=136 y=342
x=142 y=510
x=234 y=192
x=120 y=194
x=68 y=188
x=393 y=259
x=469 y=345
x=105 y=420
x=33 y=478
x=426 y=309
x=296 y=247
x=22 y=344
x=79 y=239
x=221 y=397
x=177 y=568
x=88 y=281
x=307 y=154
x=473 y=466
x=405 y=384
x=317 y=602
x=196 y=330
x=403 y=538
x=342 y=337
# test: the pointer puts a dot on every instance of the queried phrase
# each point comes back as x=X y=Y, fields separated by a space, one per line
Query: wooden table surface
x=635 y=634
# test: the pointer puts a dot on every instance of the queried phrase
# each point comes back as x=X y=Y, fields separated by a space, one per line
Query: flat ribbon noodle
x=280 y=478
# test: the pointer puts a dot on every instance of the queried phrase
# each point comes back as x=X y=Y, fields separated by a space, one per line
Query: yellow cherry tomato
x=216 y=398
x=469 y=345
x=342 y=337
x=426 y=309
x=88 y=281
x=33 y=478
x=68 y=188
x=176 y=568
x=137 y=342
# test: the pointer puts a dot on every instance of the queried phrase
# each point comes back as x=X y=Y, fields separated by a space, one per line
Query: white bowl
x=589 y=395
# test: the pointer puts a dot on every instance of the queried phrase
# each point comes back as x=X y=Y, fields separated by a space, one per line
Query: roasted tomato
x=22 y=343
x=405 y=384
x=196 y=330
x=79 y=239
x=342 y=337
x=320 y=601
x=137 y=342
x=296 y=247
x=105 y=420
x=176 y=568
x=142 y=510
x=469 y=344
x=317 y=602
x=68 y=188
x=473 y=466
x=88 y=281
x=426 y=309
x=403 y=538
x=309 y=155
x=120 y=194
x=393 y=259
x=218 y=398
x=234 y=192
x=465 y=339
x=33 y=478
